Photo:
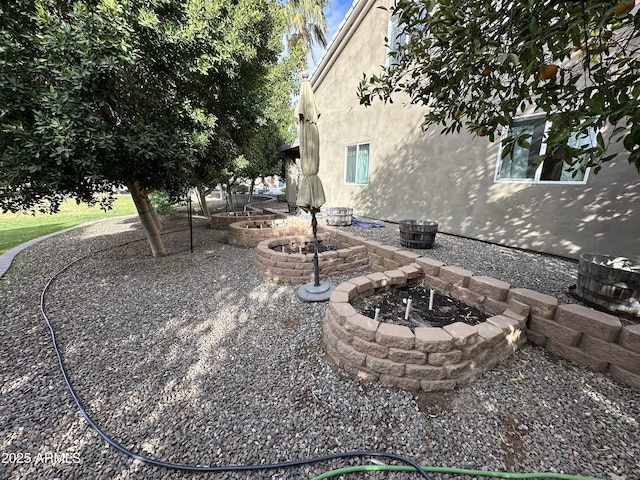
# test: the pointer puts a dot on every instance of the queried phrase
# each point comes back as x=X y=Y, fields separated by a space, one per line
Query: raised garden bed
x=292 y=266
x=221 y=221
x=425 y=309
x=425 y=358
x=251 y=232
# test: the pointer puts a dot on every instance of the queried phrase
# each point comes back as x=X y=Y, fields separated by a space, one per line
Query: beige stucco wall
x=449 y=179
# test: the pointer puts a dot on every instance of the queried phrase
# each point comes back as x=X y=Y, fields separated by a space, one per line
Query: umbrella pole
x=316 y=268
x=315 y=291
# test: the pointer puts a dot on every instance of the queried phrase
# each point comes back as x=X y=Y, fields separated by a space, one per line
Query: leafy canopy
x=307 y=23
x=479 y=64
x=99 y=93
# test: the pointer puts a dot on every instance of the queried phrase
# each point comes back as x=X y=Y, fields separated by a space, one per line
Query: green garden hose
x=463 y=471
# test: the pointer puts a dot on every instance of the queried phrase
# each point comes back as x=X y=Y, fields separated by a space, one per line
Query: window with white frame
x=396 y=38
x=522 y=164
x=357 y=164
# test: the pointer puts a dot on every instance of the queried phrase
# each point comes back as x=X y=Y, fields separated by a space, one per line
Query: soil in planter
x=446 y=310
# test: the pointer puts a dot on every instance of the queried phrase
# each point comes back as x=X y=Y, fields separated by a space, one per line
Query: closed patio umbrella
x=311 y=193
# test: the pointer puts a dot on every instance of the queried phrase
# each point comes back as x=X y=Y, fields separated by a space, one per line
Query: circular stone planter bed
x=280 y=266
x=221 y=221
x=425 y=358
x=328 y=245
x=250 y=233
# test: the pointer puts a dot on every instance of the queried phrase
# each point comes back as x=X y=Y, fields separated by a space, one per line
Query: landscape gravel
x=194 y=359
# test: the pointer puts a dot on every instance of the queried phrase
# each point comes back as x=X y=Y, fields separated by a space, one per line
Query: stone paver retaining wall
x=440 y=358
x=250 y=233
x=591 y=338
x=433 y=358
x=428 y=359
x=297 y=268
x=221 y=221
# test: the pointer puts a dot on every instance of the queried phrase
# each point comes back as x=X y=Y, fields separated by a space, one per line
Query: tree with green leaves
x=272 y=130
x=247 y=145
x=103 y=93
x=478 y=65
x=307 y=24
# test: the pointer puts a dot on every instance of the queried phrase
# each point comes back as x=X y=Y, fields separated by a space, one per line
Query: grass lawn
x=17 y=228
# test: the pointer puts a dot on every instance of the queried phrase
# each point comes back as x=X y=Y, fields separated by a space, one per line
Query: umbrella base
x=309 y=292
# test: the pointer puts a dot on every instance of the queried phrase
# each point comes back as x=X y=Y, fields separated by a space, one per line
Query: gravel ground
x=193 y=359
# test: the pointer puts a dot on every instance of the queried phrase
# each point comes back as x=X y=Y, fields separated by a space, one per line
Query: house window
x=522 y=164
x=357 y=164
x=396 y=38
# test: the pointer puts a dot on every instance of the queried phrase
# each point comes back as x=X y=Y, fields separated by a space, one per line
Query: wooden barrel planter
x=611 y=282
x=339 y=216
x=417 y=233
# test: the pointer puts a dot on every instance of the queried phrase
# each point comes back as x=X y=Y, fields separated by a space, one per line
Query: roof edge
x=352 y=20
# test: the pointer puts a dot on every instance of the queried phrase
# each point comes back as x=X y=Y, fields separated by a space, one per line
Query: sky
x=335 y=14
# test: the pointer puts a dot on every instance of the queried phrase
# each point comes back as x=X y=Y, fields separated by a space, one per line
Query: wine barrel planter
x=611 y=282
x=339 y=216
x=417 y=233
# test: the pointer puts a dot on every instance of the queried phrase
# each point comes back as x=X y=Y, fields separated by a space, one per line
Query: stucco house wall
x=450 y=179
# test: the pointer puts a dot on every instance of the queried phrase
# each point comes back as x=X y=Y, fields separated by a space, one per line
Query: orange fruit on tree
x=486 y=72
x=457 y=114
x=482 y=133
x=624 y=7
x=548 y=71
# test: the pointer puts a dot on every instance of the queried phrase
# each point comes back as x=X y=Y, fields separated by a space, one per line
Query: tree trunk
x=253 y=184
x=202 y=195
x=147 y=220
x=227 y=198
x=230 y=195
x=152 y=211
